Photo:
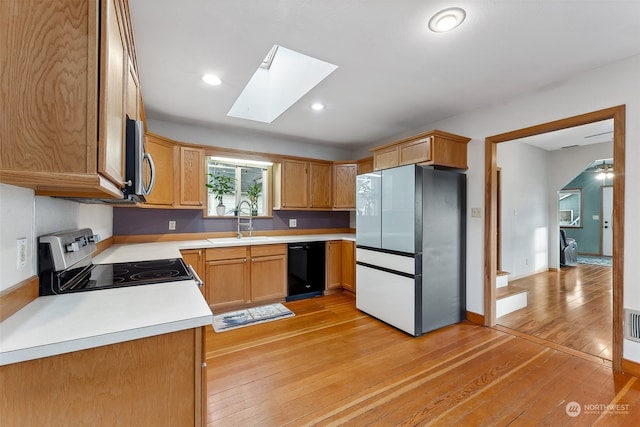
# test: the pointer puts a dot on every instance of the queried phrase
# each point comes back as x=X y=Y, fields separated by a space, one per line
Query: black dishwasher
x=306 y=269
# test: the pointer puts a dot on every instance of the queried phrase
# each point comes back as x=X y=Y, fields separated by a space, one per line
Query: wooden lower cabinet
x=153 y=381
x=241 y=276
x=333 y=270
x=340 y=271
x=348 y=267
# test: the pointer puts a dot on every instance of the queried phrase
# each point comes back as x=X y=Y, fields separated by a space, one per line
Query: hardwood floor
x=571 y=307
x=333 y=365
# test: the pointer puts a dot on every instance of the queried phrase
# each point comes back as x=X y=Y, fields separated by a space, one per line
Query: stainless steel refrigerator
x=410 y=253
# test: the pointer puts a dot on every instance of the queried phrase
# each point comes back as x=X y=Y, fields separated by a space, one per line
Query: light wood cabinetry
x=320 y=188
x=302 y=185
x=191 y=188
x=348 y=266
x=333 y=265
x=365 y=165
x=344 y=186
x=153 y=381
x=161 y=150
x=268 y=273
x=66 y=66
x=340 y=270
x=227 y=277
x=241 y=276
x=430 y=148
x=195 y=258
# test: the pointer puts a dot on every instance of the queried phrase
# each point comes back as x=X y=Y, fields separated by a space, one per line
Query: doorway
x=491 y=216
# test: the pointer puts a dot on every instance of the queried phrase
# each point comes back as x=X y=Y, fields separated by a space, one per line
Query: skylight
x=280 y=81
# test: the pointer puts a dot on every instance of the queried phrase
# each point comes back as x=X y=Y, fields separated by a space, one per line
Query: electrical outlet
x=476 y=212
x=172 y=225
x=22 y=253
x=293 y=223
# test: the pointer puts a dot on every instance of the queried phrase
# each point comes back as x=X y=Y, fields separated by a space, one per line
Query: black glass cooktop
x=105 y=276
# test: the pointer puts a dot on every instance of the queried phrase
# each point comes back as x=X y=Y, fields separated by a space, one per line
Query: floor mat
x=595 y=260
x=250 y=316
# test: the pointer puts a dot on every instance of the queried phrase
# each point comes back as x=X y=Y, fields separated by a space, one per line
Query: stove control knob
x=73 y=247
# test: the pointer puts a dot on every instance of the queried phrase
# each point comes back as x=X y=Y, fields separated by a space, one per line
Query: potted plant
x=253 y=191
x=220 y=185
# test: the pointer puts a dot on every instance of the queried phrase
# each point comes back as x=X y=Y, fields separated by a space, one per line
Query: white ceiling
x=394 y=74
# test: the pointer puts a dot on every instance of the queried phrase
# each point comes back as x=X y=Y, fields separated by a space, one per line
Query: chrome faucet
x=249 y=223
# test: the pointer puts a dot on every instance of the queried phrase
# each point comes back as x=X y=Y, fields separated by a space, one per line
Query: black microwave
x=140 y=172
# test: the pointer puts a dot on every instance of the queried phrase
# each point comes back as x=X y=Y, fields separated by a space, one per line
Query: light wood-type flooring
x=571 y=307
x=334 y=365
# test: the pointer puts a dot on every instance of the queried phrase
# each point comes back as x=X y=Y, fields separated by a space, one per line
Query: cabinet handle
x=253 y=260
x=244 y=260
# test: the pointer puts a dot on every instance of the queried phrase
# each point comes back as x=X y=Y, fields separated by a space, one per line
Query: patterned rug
x=595 y=260
x=250 y=316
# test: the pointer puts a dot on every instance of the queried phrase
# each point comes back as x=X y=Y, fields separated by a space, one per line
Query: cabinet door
x=365 y=165
x=133 y=92
x=114 y=70
x=162 y=153
x=191 y=185
x=344 y=186
x=320 y=188
x=334 y=264
x=195 y=258
x=227 y=283
x=294 y=184
x=385 y=158
x=348 y=265
x=269 y=274
x=417 y=151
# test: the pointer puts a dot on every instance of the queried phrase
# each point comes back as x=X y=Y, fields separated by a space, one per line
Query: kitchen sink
x=225 y=240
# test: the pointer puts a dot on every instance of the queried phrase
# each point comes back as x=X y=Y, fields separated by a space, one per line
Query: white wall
x=24 y=215
x=608 y=86
x=525 y=224
x=246 y=140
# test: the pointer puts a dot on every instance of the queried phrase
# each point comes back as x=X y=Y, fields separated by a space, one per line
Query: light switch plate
x=476 y=212
x=293 y=223
x=22 y=253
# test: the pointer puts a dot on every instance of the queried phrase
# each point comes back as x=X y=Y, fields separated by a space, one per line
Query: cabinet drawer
x=215 y=254
x=267 y=250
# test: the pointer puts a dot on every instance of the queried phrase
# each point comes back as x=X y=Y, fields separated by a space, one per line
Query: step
x=510 y=299
x=502 y=279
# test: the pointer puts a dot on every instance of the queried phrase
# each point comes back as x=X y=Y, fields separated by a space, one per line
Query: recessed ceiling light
x=317 y=106
x=211 y=79
x=447 y=19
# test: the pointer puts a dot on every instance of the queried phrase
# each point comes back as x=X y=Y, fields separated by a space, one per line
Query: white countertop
x=58 y=324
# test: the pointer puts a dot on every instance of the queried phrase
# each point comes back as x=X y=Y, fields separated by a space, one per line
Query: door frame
x=491 y=216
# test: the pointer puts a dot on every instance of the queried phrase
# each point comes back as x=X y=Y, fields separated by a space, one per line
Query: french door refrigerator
x=410 y=247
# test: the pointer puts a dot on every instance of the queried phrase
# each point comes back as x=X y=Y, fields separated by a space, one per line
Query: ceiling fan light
x=447 y=19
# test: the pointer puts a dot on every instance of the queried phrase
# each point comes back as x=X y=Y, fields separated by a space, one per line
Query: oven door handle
x=197 y=278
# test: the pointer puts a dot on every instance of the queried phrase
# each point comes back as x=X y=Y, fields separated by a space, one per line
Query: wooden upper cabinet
x=67 y=133
x=320 y=177
x=161 y=151
x=365 y=165
x=114 y=72
x=430 y=148
x=300 y=184
x=290 y=182
x=344 y=185
x=133 y=93
x=191 y=182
